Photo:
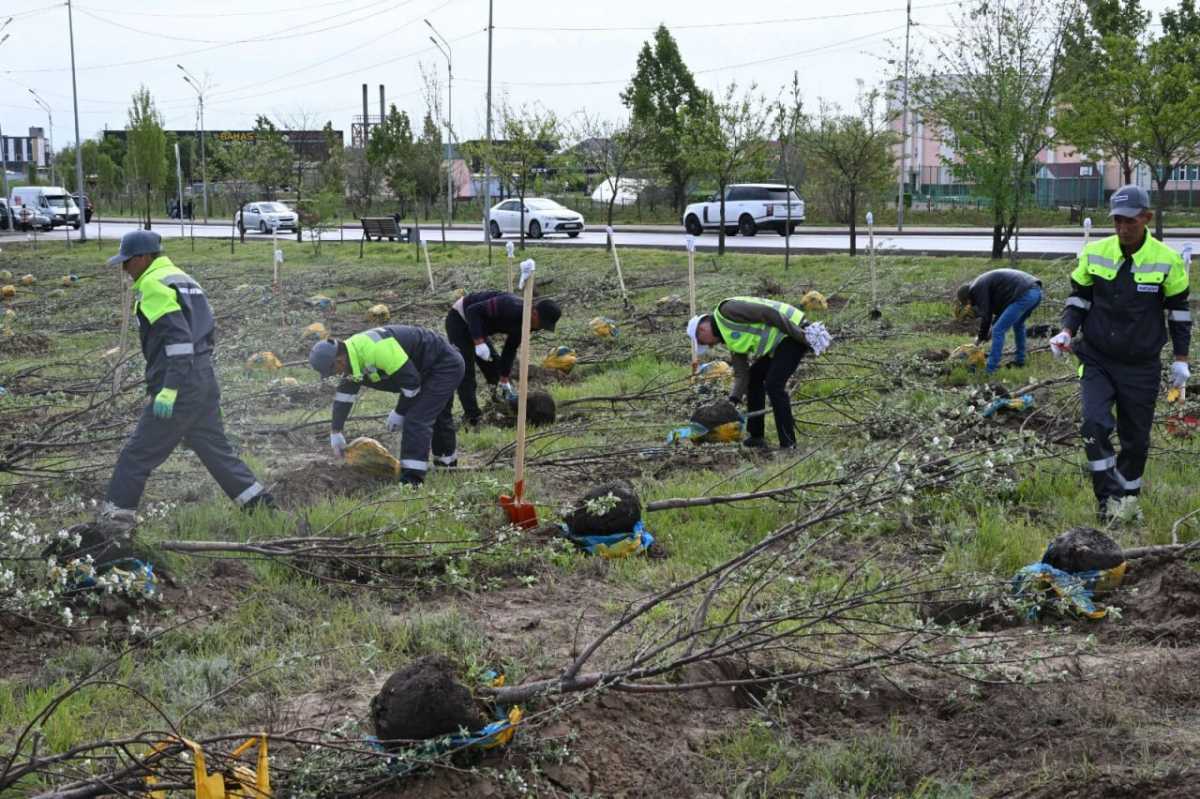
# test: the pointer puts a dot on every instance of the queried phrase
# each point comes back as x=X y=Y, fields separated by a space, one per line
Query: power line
x=211 y=14
x=711 y=25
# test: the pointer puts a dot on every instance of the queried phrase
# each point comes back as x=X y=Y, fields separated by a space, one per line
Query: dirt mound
x=539 y=408
x=318 y=481
x=424 y=700
x=24 y=344
x=1083 y=549
x=620 y=518
x=1169 y=594
x=715 y=414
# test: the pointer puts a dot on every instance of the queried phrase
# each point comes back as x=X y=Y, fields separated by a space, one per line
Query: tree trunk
x=679 y=192
x=148 y=194
x=612 y=201
x=1160 y=204
x=853 y=221
x=721 y=230
x=521 y=199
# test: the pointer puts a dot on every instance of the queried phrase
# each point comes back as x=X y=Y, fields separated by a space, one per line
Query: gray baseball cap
x=322 y=356
x=135 y=243
x=1128 y=201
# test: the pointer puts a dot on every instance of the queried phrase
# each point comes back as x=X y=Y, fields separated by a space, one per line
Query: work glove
x=506 y=391
x=508 y=249
x=395 y=422
x=483 y=352
x=1180 y=374
x=164 y=403
x=1060 y=344
x=527 y=267
x=338 y=442
x=818 y=337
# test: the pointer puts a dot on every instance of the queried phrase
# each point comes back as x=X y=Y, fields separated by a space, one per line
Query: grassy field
x=817 y=669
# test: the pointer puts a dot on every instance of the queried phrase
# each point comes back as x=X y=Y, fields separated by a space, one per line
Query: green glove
x=164 y=403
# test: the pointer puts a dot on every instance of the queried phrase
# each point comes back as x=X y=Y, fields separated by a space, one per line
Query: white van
x=49 y=201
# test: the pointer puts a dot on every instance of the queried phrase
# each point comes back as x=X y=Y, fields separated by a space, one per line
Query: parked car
x=262 y=216
x=84 y=202
x=749 y=207
x=6 y=220
x=50 y=201
x=542 y=216
x=26 y=217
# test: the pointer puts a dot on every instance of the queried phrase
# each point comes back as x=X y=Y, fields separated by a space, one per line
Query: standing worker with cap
x=1002 y=299
x=776 y=336
x=416 y=363
x=469 y=324
x=1120 y=291
x=176 y=327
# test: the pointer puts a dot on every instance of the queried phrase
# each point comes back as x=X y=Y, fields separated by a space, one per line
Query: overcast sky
x=282 y=59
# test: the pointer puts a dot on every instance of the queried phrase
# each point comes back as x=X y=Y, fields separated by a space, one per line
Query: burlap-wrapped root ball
x=1082 y=549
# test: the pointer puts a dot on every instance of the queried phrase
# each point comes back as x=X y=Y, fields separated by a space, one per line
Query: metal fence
x=938 y=187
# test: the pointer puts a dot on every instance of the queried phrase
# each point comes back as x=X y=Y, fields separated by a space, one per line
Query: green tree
x=331 y=172
x=529 y=140
x=662 y=96
x=271 y=167
x=727 y=142
x=427 y=164
x=789 y=126
x=146 y=156
x=391 y=152
x=852 y=153
x=993 y=93
x=232 y=163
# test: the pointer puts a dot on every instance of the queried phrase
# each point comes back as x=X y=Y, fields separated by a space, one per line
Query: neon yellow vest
x=374 y=355
x=1154 y=262
x=755 y=338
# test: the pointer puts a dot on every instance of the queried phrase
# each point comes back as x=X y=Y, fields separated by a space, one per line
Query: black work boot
x=411 y=477
x=263 y=501
x=755 y=442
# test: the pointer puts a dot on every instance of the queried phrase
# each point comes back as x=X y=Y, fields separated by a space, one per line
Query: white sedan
x=263 y=216
x=542 y=216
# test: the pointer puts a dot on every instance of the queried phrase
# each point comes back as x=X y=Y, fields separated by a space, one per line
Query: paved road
x=1042 y=246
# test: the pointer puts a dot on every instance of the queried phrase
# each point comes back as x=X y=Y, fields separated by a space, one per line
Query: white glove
x=818 y=337
x=1186 y=254
x=527 y=267
x=338 y=442
x=483 y=352
x=1060 y=344
x=1180 y=374
x=508 y=249
x=395 y=422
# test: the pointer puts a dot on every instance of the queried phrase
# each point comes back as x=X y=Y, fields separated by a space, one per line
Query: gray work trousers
x=196 y=420
x=1133 y=389
x=429 y=418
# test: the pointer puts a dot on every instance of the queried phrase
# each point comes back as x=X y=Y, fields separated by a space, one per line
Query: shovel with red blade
x=520 y=511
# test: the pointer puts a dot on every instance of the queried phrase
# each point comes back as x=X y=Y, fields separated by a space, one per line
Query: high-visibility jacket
x=755 y=339
x=175 y=323
x=1118 y=302
x=393 y=358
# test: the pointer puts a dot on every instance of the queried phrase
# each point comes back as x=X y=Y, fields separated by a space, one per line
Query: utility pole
x=75 y=99
x=4 y=148
x=487 y=169
x=191 y=80
x=447 y=51
x=903 y=127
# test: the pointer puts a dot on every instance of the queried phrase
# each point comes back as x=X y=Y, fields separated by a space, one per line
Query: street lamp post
x=446 y=51
x=487 y=168
x=4 y=148
x=903 y=126
x=75 y=100
x=191 y=80
x=49 y=116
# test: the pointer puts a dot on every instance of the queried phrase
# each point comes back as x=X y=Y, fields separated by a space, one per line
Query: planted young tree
x=788 y=125
x=727 y=142
x=295 y=125
x=612 y=149
x=146 y=158
x=853 y=153
x=232 y=164
x=662 y=96
x=427 y=165
x=528 y=139
x=273 y=158
x=992 y=90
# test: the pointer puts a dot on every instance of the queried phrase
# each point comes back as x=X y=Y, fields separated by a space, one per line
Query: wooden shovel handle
x=523 y=384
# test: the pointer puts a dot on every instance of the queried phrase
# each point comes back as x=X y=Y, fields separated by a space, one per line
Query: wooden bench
x=377 y=228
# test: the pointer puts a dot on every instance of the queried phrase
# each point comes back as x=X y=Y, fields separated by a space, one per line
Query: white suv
x=749 y=207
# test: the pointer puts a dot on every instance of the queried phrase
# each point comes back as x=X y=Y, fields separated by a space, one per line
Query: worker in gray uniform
x=175 y=323
x=416 y=363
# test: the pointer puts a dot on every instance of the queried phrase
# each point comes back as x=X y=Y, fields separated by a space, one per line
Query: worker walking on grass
x=470 y=323
x=767 y=339
x=176 y=327
x=1121 y=290
x=1003 y=299
x=416 y=363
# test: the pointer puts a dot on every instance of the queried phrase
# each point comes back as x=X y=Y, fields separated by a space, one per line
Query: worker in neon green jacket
x=175 y=323
x=423 y=368
x=767 y=339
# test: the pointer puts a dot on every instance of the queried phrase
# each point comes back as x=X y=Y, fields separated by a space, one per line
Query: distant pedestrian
x=1003 y=299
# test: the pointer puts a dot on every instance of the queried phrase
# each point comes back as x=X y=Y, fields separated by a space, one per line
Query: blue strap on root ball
x=615 y=546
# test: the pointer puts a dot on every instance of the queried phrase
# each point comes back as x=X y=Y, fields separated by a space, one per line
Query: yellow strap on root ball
x=263 y=360
x=378 y=313
x=603 y=327
x=561 y=358
x=316 y=330
x=970 y=356
x=814 y=301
